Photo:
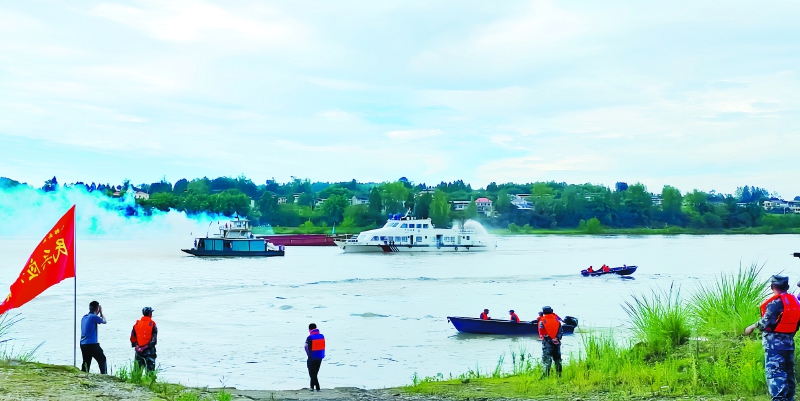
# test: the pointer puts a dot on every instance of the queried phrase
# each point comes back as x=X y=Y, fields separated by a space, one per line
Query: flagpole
x=74 y=297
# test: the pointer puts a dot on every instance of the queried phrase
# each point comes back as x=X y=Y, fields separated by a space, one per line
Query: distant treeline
x=542 y=205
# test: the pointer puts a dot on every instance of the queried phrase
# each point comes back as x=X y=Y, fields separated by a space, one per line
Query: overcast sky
x=694 y=94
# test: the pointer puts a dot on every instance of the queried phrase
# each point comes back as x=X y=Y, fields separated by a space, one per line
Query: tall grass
x=678 y=348
x=9 y=352
x=728 y=305
x=660 y=319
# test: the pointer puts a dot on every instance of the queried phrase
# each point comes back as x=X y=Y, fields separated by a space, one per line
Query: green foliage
x=503 y=202
x=664 y=361
x=375 y=204
x=471 y=210
x=660 y=320
x=394 y=196
x=440 y=209
x=422 y=207
x=307 y=227
x=334 y=208
x=726 y=306
x=593 y=226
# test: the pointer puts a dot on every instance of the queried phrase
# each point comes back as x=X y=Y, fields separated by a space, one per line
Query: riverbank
x=555 y=231
x=23 y=381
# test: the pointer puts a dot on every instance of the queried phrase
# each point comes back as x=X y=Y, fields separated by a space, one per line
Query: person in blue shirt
x=90 y=347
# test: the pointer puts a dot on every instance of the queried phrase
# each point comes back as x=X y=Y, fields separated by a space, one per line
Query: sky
x=693 y=94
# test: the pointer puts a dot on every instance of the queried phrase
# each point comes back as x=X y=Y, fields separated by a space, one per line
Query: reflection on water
x=384 y=315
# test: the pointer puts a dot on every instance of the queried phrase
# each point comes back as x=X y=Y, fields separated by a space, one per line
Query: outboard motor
x=571 y=321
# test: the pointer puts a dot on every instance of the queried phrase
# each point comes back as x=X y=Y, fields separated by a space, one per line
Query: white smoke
x=27 y=212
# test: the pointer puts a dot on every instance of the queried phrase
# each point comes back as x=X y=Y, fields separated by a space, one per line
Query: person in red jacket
x=514 y=317
x=144 y=337
x=485 y=314
x=605 y=268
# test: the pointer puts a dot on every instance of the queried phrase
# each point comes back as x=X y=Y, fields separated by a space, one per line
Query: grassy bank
x=681 y=346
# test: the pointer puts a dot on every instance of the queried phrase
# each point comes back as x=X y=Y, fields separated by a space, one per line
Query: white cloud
x=408 y=135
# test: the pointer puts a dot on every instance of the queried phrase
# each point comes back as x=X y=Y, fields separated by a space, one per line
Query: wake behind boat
x=235 y=239
x=409 y=234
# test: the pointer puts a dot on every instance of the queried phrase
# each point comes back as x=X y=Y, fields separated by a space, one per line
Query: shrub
x=593 y=226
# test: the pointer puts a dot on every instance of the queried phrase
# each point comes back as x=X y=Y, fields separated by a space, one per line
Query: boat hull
x=501 y=327
x=227 y=253
x=620 y=271
x=359 y=248
x=299 y=239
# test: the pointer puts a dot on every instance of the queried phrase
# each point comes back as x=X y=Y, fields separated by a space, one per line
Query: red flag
x=52 y=261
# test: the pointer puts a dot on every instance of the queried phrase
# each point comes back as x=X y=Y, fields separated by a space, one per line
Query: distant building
x=319 y=202
x=140 y=195
x=484 y=206
x=460 y=205
x=281 y=200
x=776 y=205
x=657 y=201
x=521 y=201
x=359 y=200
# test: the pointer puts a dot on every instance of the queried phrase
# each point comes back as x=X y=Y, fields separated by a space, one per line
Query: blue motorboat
x=620 y=271
x=505 y=327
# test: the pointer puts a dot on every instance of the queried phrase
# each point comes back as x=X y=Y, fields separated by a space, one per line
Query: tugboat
x=235 y=239
x=409 y=234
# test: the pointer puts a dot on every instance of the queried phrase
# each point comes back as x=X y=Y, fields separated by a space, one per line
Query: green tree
x=503 y=202
x=199 y=186
x=593 y=226
x=334 y=208
x=471 y=211
x=375 y=204
x=163 y=201
x=306 y=199
x=671 y=200
x=180 y=186
x=394 y=195
x=440 y=209
x=422 y=208
x=268 y=206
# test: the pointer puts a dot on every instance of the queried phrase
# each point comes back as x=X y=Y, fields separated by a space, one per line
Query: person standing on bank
x=144 y=337
x=90 y=347
x=315 y=350
x=780 y=317
x=550 y=332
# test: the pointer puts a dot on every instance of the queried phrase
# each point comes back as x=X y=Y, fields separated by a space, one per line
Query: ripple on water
x=368 y=314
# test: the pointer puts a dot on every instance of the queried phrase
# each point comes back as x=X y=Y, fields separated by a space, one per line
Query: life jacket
x=143 y=330
x=605 y=268
x=790 y=317
x=549 y=326
x=514 y=318
x=316 y=349
x=590 y=270
x=484 y=316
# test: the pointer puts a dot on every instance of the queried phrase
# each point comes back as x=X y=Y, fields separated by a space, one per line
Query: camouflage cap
x=780 y=281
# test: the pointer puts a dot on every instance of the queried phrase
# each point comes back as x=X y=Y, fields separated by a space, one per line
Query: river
x=242 y=322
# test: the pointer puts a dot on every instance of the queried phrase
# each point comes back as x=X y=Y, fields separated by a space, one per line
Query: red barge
x=300 y=239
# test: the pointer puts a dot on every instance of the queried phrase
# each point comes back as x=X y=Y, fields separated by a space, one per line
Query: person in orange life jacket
x=485 y=314
x=550 y=332
x=315 y=350
x=605 y=268
x=590 y=269
x=780 y=318
x=144 y=337
x=514 y=317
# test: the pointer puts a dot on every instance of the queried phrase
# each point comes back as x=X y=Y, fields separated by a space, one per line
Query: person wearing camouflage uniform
x=778 y=346
x=550 y=332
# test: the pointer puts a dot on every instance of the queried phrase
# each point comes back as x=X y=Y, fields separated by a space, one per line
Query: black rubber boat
x=620 y=271
x=475 y=325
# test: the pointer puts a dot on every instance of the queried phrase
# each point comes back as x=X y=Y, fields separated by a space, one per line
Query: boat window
x=424 y=226
x=240 y=246
x=383 y=238
x=395 y=224
x=467 y=236
x=405 y=239
x=375 y=238
x=404 y=225
x=258 y=245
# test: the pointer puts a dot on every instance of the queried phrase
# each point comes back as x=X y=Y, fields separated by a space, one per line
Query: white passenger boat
x=408 y=234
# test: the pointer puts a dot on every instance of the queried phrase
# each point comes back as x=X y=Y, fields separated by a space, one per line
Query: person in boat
x=485 y=315
x=590 y=269
x=514 y=317
x=780 y=317
x=606 y=269
x=550 y=332
x=144 y=337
